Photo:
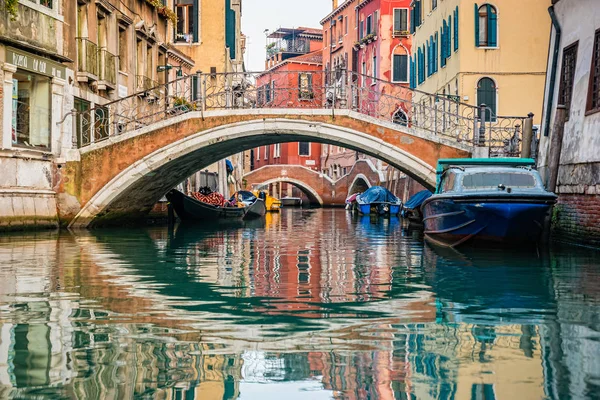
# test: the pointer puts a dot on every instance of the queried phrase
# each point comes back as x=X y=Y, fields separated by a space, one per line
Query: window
x=567 y=76
x=304 y=149
x=266 y=152
x=486 y=26
x=369 y=24
x=433 y=4
x=257 y=153
x=456 y=29
x=346 y=26
x=82 y=120
x=593 y=103
x=123 y=49
x=184 y=29
x=400 y=65
x=448 y=182
x=374 y=69
x=364 y=73
x=415 y=16
x=400 y=21
x=277 y=150
x=486 y=94
x=305 y=87
x=361 y=29
x=400 y=118
x=375 y=22
x=31 y=110
x=482 y=180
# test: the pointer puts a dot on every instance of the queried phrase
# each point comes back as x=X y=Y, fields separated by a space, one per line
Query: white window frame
x=309 y=150
x=277 y=150
x=53 y=12
x=394 y=19
x=407 y=67
x=258 y=153
x=266 y=157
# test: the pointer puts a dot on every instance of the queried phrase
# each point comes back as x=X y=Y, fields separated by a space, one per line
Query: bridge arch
x=309 y=191
x=144 y=179
x=359 y=184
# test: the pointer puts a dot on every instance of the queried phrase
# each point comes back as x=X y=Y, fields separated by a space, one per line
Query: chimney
x=334 y=4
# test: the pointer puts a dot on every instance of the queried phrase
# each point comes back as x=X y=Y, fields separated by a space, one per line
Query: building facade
x=35 y=96
x=571 y=82
x=482 y=53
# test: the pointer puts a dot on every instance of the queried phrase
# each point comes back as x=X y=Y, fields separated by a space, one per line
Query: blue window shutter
x=436 y=53
x=449 y=38
x=456 y=29
x=492 y=27
x=443 y=57
x=418 y=12
x=476 y=25
x=412 y=19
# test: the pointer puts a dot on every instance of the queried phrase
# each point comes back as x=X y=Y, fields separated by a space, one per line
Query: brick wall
x=576 y=219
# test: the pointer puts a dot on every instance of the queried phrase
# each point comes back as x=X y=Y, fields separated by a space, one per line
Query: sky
x=258 y=15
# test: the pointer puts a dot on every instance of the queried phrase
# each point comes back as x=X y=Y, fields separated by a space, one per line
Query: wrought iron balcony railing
x=108 y=67
x=87 y=56
x=339 y=89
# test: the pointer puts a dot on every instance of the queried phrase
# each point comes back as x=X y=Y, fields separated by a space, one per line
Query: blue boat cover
x=417 y=199
x=376 y=194
x=229 y=166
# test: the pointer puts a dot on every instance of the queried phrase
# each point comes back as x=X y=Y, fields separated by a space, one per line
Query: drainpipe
x=553 y=70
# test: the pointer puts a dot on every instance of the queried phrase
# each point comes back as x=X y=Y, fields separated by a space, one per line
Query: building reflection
x=200 y=313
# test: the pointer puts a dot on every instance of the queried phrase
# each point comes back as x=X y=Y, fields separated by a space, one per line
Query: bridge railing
x=439 y=114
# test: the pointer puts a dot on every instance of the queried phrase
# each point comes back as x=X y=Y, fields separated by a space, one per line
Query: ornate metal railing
x=108 y=66
x=335 y=90
x=87 y=56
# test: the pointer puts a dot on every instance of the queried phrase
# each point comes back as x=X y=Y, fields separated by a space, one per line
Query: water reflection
x=314 y=302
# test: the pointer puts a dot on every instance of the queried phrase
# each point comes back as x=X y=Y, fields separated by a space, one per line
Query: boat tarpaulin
x=351 y=198
x=417 y=199
x=377 y=194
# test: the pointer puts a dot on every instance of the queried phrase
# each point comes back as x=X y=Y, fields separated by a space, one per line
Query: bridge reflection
x=356 y=308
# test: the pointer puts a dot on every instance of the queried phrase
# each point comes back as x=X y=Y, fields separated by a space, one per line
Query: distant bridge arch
x=313 y=195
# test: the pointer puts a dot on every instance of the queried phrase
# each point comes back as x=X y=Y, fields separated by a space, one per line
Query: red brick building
x=294 y=74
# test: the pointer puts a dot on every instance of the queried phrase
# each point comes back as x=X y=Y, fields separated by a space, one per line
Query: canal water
x=309 y=304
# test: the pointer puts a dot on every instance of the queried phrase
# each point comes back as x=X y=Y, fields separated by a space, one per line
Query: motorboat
x=273 y=203
x=291 y=201
x=495 y=199
x=255 y=206
x=377 y=200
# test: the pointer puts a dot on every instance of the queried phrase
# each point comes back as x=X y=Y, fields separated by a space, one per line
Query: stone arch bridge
x=132 y=151
x=318 y=187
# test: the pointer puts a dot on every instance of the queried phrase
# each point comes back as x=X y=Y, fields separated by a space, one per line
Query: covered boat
x=255 y=206
x=411 y=210
x=190 y=208
x=379 y=201
x=497 y=199
x=351 y=201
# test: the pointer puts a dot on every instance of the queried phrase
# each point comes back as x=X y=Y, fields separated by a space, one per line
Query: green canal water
x=309 y=304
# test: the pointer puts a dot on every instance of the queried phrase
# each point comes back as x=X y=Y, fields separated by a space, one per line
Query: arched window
x=486 y=26
x=400 y=65
x=400 y=118
x=486 y=94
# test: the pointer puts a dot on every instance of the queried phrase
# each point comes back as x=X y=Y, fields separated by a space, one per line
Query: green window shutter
x=456 y=29
x=412 y=20
x=397 y=20
x=194 y=88
x=443 y=47
x=492 y=26
x=436 y=43
x=476 y=25
x=196 y=23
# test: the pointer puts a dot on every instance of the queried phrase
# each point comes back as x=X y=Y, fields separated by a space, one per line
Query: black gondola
x=188 y=208
x=256 y=207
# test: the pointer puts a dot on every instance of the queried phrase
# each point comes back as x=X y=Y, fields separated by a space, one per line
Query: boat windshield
x=482 y=180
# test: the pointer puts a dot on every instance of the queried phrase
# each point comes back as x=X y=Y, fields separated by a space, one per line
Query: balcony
x=87 y=60
x=290 y=48
x=144 y=85
x=108 y=70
